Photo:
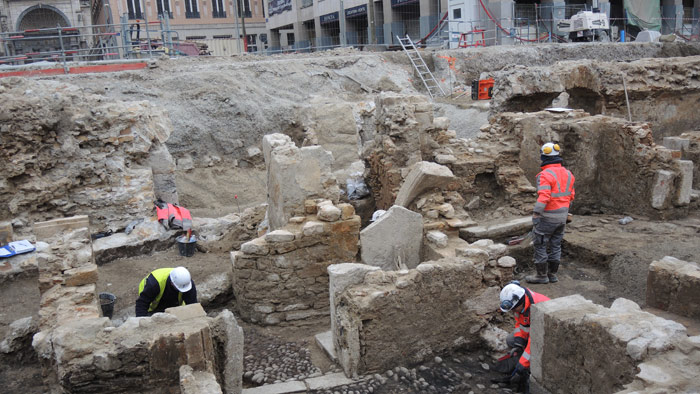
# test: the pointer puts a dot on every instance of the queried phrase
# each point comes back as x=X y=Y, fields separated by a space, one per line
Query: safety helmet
x=511 y=295
x=550 y=149
x=181 y=279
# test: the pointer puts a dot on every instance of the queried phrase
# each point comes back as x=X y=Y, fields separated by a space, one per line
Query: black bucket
x=107 y=301
x=186 y=248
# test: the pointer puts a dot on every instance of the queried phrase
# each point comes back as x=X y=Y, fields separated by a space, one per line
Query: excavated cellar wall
x=616 y=163
x=581 y=347
x=382 y=319
x=663 y=92
x=282 y=278
x=672 y=285
x=67 y=152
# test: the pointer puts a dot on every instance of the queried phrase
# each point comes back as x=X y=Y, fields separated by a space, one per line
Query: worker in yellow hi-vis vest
x=165 y=288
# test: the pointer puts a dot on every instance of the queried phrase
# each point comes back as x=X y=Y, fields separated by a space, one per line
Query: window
x=244 y=7
x=306 y=3
x=164 y=8
x=191 y=9
x=290 y=39
x=222 y=36
x=218 y=9
x=457 y=13
x=195 y=37
x=134 y=7
x=252 y=43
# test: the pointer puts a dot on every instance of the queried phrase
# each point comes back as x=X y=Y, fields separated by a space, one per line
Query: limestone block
x=144 y=237
x=424 y=176
x=496 y=251
x=81 y=276
x=17 y=334
x=46 y=230
x=441 y=123
x=446 y=210
x=676 y=143
x=310 y=207
x=347 y=211
x=661 y=189
x=672 y=286
x=393 y=240
x=475 y=254
x=497 y=229
x=187 y=312
x=213 y=287
x=445 y=159
x=437 y=237
x=328 y=213
x=257 y=246
x=197 y=382
x=279 y=236
x=506 y=262
x=312 y=228
x=229 y=334
x=295 y=175
x=686 y=182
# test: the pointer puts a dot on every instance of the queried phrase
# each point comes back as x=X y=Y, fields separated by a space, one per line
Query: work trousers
x=547 y=234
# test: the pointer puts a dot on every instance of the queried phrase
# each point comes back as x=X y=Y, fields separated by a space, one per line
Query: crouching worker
x=518 y=300
x=165 y=288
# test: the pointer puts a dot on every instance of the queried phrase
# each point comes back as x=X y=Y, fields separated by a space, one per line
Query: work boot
x=541 y=276
x=552 y=273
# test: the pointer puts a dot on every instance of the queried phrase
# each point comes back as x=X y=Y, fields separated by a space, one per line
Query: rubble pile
x=67 y=152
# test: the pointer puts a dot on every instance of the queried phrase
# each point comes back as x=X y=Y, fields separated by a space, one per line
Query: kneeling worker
x=518 y=299
x=165 y=288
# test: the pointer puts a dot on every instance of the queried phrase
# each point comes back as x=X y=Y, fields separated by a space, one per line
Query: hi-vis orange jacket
x=173 y=217
x=555 y=191
x=522 y=324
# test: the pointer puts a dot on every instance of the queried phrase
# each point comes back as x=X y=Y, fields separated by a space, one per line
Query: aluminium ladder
x=423 y=71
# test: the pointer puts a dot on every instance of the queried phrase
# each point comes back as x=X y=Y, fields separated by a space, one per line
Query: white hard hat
x=511 y=295
x=550 y=149
x=181 y=279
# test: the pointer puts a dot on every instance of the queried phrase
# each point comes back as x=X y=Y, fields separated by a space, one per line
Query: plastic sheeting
x=645 y=14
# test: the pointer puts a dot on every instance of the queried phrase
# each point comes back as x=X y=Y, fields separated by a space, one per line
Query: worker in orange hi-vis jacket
x=555 y=191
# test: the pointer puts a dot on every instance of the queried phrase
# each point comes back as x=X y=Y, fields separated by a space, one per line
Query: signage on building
x=397 y=3
x=279 y=6
x=329 y=18
x=356 y=11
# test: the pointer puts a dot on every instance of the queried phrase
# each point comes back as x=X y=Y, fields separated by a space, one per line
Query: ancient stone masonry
x=662 y=92
x=295 y=175
x=65 y=152
x=281 y=278
x=581 y=347
x=382 y=319
x=672 y=285
x=617 y=165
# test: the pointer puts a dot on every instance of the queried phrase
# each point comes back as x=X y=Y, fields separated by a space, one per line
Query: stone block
x=19 y=331
x=278 y=388
x=46 y=230
x=328 y=381
x=227 y=331
x=661 y=188
x=198 y=382
x=6 y=233
x=676 y=143
x=393 y=240
x=187 y=312
x=324 y=341
x=347 y=211
x=310 y=207
x=312 y=228
x=257 y=246
x=84 y=275
x=672 y=286
x=424 y=176
x=685 y=187
x=497 y=229
x=475 y=254
x=507 y=262
x=279 y=236
x=437 y=238
x=328 y=213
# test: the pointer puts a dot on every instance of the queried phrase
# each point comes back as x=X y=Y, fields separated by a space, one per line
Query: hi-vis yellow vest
x=161 y=276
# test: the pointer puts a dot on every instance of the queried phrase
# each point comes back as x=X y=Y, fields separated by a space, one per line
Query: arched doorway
x=44 y=44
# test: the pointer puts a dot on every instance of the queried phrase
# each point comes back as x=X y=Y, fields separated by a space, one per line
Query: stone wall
x=672 y=285
x=581 y=347
x=661 y=91
x=281 y=278
x=383 y=319
x=67 y=152
x=617 y=165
